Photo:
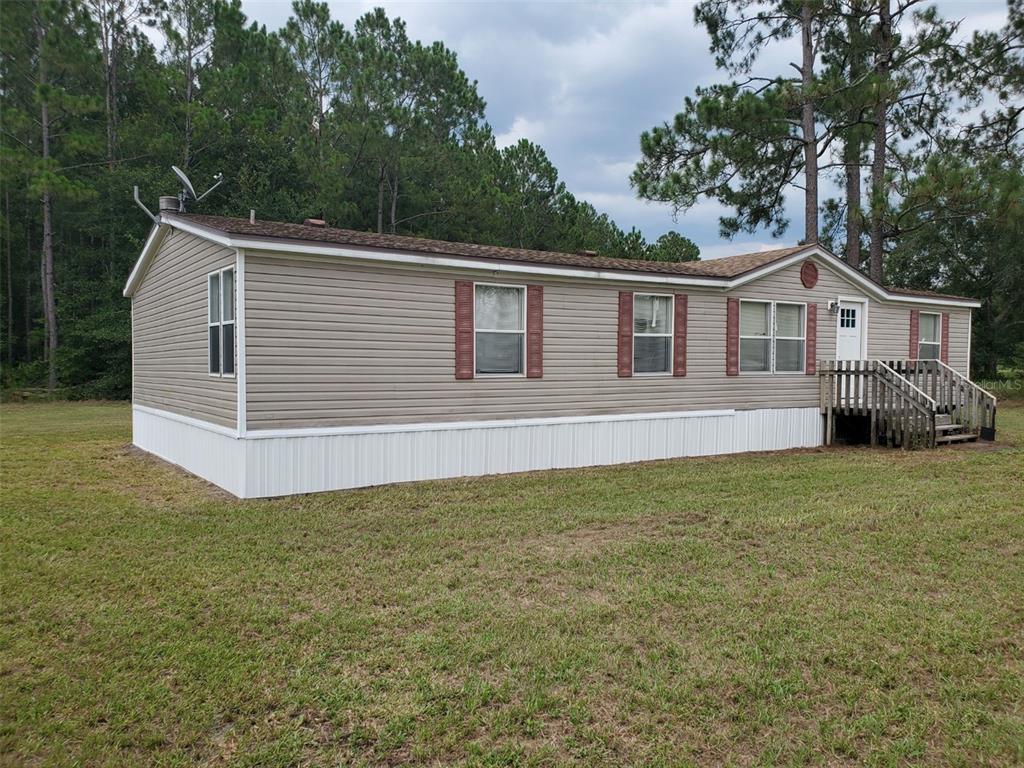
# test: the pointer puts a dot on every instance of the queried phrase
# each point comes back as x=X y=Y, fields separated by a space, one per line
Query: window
x=789 y=338
x=652 y=333
x=848 y=317
x=755 y=336
x=499 y=325
x=221 y=322
x=930 y=339
x=772 y=336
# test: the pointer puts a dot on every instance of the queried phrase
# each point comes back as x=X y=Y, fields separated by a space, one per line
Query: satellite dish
x=189 y=190
x=184 y=181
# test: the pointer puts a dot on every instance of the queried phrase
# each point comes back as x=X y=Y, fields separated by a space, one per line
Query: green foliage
x=730 y=144
x=892 y=124
x=963 y=230
x=673 y=247
x=365 y=128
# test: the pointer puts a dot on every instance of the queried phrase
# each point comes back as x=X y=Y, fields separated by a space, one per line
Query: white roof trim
x=457 y=262
x=156 y=236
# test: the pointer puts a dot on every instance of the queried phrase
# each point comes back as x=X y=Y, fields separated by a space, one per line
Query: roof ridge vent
x=315 y=223
x=586 y=253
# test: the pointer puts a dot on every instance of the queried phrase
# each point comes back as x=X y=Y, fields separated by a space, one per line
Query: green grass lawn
x=823 y=607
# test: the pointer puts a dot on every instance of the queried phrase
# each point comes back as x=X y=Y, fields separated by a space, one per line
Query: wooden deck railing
x=967 y=404
x=901 y=413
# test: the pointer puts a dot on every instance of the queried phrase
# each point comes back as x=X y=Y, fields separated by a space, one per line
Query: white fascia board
x=156 y=236
x=842 y=268
x=404 y=257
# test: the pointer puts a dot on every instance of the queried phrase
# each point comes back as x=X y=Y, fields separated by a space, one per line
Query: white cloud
x=522 y=128
x=720 y=250
x=585 y=79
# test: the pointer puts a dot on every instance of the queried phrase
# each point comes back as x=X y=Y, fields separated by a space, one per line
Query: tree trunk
x=106 y=48
x=881 y=109
x=27 y=303
x=808 y=125
x=394 y=203
x=10 y=278
x=853 y=225
x=187 y=155
x=49 y=305
x=380 y=199
x=320 y=151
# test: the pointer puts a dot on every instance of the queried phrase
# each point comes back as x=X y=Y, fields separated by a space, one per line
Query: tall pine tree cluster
x=363 y=127
x=900 y=135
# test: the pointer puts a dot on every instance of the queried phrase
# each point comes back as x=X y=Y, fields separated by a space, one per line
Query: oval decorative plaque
x=809 y=274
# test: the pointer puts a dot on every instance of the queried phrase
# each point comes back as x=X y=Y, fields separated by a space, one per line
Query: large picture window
x=652 y=333
x=930 y=340
x=499 y=325
x=773 y=337
x=221 y=322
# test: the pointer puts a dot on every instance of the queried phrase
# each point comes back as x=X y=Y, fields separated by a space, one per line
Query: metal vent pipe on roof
x=169 y=204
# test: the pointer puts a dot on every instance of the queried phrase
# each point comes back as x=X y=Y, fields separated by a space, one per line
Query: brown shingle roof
x=724 y=268
x=928 y=294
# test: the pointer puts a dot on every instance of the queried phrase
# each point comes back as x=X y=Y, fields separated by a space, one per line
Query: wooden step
x=943 y=419
x=947 y=427
x=963 y=437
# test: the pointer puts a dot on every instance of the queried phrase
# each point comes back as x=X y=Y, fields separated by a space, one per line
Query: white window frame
x=772 y=338
x=802 y=337
x=670 y=335
x=476 y=329
x=938 y=340
x=221 y=322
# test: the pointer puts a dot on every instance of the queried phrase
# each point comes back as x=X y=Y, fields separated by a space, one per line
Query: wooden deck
x=909 y=403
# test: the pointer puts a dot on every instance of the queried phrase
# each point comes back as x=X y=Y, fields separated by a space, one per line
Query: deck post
x=873 y=404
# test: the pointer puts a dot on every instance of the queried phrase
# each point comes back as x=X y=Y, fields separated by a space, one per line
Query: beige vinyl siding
x=889 y=332
x=169 y=332
x=332 y=343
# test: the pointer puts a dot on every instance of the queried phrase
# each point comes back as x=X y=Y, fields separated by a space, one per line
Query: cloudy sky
x=583 y=80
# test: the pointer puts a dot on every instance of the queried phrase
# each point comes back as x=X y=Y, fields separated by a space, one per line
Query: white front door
x=850 y=333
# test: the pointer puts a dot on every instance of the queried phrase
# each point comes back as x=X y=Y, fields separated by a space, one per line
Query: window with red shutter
x=915 y=321
x=944 y=339
x=625 y=348
x=679 y=336
x=534 y=331
x=812 y=339
x=463 y=329
x=732 y=337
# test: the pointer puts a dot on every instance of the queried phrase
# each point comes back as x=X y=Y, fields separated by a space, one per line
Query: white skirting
x=208 y=450
x=282 y=462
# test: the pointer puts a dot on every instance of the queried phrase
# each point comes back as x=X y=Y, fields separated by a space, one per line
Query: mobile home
x=274 y=358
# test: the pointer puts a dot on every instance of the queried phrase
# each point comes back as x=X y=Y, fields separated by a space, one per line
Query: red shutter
x=915 y=333
x=811 y=363
x=534 y=331
x=732 y=338
x=625 y=358
x=463 y=329
x=944 y=341
x=679 y=337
